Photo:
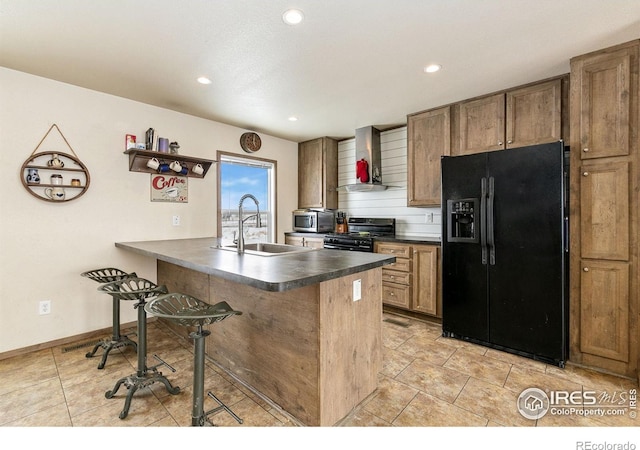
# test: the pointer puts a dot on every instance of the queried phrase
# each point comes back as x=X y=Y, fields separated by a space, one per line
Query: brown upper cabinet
x=428 y=138
x=536 y=113
x=605 y=104
x=528 y=115
x=318 y=173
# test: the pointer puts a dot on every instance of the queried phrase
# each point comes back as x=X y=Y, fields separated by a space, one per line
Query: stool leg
x=142 y=339
x=117 y=340
x=95 y=349
x=198 y=416
x=144 y=376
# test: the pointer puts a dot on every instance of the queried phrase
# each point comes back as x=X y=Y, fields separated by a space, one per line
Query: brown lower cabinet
x=304 y=241
x=413 y=282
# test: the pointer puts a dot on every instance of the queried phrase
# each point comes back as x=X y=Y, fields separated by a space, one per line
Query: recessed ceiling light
x=204 y=80
x=293 y=119
x=431 y=68
x=292 y=16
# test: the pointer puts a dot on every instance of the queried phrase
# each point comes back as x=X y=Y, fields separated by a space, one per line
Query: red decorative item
x=362 y=170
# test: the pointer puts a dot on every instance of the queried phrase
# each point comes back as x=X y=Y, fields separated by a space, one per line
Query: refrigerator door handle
x=490 y=224
x=483 y=219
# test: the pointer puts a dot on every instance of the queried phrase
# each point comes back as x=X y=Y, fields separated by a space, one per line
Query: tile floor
x=426 y=381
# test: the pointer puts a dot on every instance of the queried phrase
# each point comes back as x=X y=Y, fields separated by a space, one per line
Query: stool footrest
x=162 y=363
x=221 y=407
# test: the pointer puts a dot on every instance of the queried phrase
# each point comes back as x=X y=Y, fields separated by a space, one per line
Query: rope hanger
x=47 y=134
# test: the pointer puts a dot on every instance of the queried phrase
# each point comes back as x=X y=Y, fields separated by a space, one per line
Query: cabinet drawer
x=401 y=251
x=393 y=276
x=396 y=294
x=401 y=265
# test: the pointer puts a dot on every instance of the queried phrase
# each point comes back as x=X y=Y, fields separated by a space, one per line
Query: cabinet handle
x=392 y=294
x=499 y=142
x=585 y=150
x=509 y=141
x=585 y=269
x=585 y=174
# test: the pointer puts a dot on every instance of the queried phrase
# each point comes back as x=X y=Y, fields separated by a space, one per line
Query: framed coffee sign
x=169 y=188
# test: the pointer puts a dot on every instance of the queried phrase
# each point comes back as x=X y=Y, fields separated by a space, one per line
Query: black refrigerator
x=505 y=250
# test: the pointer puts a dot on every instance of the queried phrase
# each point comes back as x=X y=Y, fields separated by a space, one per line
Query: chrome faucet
x=241 y=221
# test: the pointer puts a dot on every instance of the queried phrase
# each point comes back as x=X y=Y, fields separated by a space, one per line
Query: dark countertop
x=410 y=240
x=397 y=238
x=270 y=273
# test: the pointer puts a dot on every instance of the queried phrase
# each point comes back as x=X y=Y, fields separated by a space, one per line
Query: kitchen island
x=303 y=341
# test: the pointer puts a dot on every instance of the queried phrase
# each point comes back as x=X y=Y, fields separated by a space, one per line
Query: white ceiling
x=351 y=63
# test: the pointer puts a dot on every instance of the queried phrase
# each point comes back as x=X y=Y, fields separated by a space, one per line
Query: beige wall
x=45 y=246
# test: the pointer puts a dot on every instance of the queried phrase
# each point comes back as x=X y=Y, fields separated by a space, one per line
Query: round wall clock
x=250 y=142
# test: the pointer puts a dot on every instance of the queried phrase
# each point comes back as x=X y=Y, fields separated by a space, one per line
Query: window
x=240 y=175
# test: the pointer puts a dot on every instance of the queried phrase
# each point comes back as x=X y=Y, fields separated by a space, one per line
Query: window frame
x=271 y=193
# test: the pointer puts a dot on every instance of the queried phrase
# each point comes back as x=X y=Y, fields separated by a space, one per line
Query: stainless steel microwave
x=313 y=221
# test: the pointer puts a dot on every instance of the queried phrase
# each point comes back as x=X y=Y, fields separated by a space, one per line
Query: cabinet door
x=293 y=240
x=534 y=114
x=604 y=309
x=310 y=174
x=318 y=174
x=313 y=242
x=425 y=279
x=605 y=103
x=428 y=138
x=604 y=210
x=481 y=123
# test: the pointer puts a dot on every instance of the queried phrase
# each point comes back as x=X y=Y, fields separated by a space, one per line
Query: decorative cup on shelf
x=56 y=179
x=164 y=167
x=176 y=167
x=163 y=145
x=185 y=170
x=55 y=161
x=56 y=193
x=173 y=148
x=198 y=169
x=75 y=182
x=153 y=163
x=33 y=176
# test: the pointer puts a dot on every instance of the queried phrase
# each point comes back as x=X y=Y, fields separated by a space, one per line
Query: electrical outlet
x=357 y=290
x=428 y=217
x=176 y=221
x=44 y=307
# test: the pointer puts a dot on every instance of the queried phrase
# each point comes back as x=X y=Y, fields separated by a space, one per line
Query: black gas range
x=361 y=234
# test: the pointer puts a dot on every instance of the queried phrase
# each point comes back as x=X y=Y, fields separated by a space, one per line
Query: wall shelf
x=138 y=160
x=72 y=169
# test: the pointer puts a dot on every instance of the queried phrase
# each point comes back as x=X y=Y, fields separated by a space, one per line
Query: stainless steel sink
x=267 y=249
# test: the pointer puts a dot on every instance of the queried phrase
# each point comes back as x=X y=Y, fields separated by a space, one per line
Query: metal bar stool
x=140 y=290
x=108 y=275
x=189 y=311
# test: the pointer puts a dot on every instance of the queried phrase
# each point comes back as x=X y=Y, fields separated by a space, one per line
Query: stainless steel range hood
x=367 y=149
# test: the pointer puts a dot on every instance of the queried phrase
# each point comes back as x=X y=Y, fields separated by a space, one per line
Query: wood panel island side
x=302 y=341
